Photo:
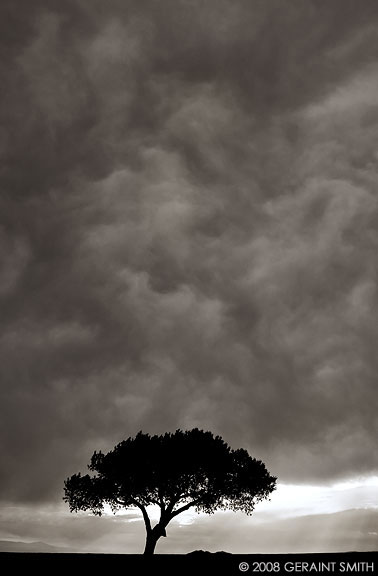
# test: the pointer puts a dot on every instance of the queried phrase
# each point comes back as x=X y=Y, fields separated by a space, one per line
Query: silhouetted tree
x=186 y=469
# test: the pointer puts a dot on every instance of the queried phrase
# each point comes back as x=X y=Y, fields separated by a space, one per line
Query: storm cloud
x=188 y=232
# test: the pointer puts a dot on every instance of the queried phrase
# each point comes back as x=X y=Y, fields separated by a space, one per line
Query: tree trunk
x=152 y=538
x=151 y=541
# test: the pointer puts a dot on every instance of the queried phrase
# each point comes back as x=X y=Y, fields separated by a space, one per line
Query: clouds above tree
x=188 y=232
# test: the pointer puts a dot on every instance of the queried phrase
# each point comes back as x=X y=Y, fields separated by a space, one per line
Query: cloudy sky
x=188 y=237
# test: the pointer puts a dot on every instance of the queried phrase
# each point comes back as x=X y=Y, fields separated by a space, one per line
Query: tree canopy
x=175 y=471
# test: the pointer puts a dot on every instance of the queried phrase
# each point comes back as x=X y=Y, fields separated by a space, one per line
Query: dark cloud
x=188 y=232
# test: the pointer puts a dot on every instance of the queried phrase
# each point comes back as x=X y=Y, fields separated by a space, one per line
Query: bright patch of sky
x=290 y=500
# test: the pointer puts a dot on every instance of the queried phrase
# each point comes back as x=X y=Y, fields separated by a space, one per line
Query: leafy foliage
x=175 y=471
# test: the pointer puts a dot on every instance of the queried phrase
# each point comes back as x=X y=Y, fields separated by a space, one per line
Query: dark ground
x=197 y=563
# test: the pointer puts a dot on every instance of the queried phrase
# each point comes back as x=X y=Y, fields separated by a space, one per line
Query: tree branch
x=185 y=507
x=145 y=515
x=161 y=500
x=175 y=501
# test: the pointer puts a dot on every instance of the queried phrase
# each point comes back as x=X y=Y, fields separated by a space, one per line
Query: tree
x=179 y=471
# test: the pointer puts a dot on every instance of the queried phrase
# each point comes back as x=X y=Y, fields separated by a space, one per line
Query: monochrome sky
x=188 y=233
